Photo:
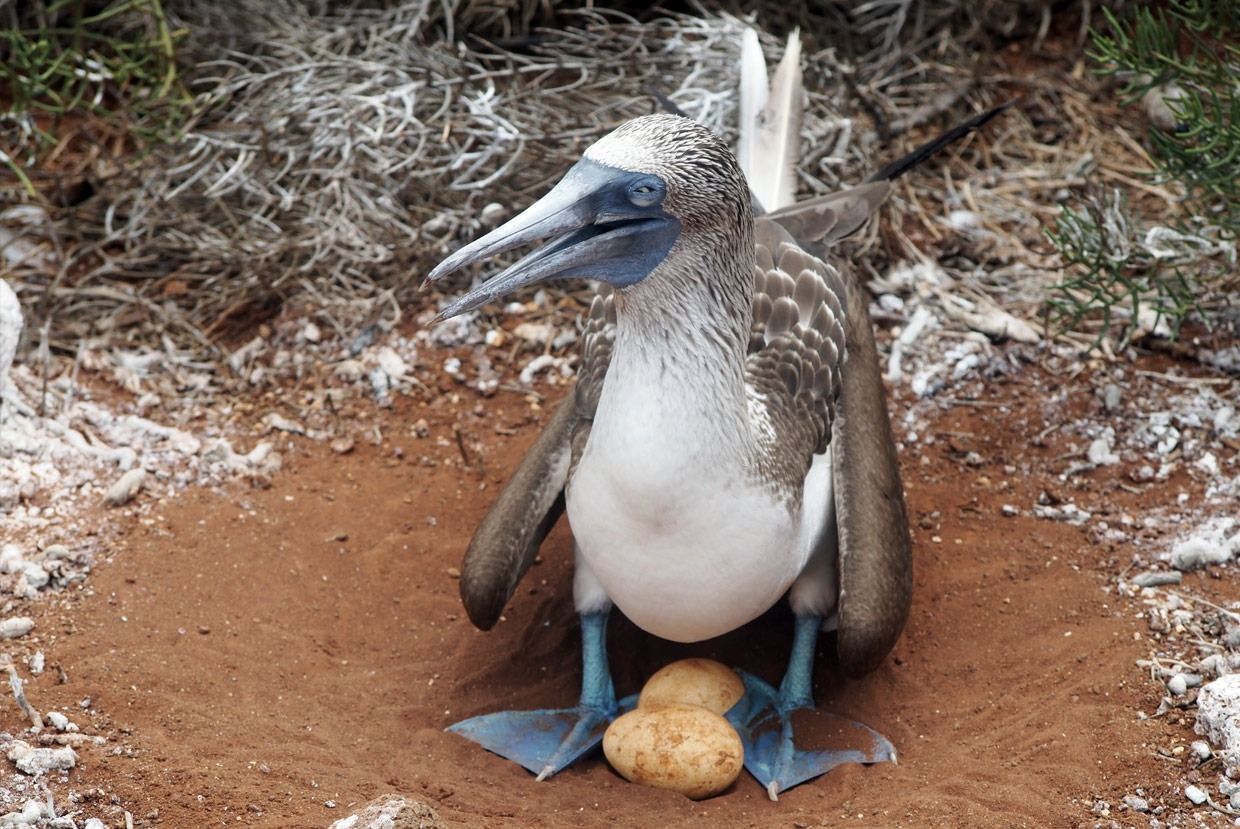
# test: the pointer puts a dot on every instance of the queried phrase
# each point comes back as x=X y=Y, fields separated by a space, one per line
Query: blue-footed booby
x=727 y=442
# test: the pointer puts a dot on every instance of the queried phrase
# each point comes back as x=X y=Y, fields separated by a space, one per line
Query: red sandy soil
x=261 y=652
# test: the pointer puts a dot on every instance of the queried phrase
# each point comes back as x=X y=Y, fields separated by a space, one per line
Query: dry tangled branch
x=339 y=150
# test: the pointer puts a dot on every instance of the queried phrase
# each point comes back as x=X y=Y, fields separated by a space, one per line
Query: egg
x=704 y=682
x=684 y=748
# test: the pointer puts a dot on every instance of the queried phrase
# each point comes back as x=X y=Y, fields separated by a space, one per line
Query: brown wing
x=875 y=550
x=872 y=542
x=505 y=543
x=796 y=348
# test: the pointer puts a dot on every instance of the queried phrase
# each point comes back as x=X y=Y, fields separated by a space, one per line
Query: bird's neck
x=681 y=339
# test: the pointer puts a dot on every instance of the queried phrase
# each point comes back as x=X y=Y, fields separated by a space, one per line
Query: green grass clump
x=114 y=61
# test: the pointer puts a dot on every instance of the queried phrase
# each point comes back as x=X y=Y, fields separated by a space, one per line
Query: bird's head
x=618 y=213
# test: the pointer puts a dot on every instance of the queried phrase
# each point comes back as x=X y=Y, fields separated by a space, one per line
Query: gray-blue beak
x=605 y=224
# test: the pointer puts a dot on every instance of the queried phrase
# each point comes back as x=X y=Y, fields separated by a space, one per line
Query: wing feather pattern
x=795 y=351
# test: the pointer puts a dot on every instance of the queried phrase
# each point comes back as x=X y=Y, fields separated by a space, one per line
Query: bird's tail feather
x=902 y=165
x=770 y=122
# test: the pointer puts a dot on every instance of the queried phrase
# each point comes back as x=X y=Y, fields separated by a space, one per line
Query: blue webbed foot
x=546 y=741
x=763 y=717
x=550 y=740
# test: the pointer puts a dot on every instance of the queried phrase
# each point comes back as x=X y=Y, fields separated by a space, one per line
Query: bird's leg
x=763 y=717
x=550 y=740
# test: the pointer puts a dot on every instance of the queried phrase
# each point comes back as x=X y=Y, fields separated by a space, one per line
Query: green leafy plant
x=67 y=58
x=1181 y=60
x=1113 y=265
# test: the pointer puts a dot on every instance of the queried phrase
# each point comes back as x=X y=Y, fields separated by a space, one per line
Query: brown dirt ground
x=263 y=651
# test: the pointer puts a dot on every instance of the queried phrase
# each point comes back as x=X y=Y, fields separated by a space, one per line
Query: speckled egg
x=705 y=682
x=684 y=748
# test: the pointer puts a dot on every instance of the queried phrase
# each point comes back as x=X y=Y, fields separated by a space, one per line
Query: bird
x=727 y=441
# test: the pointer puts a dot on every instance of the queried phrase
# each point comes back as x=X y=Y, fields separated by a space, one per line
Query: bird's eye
x=645 y=192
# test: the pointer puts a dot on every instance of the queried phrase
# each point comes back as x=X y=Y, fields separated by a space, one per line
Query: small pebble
x=1137 y=804
x=1100 y=453
x=1201 y=749
x=58 y=720
x=342 y=446
x=126 y=487
x=1177 y=685
x=1156 y=579
x=492 y=214
x=15 y=627
x=1111 y=397
x=1010 y=510
x=55 y=551
x=1195 y=794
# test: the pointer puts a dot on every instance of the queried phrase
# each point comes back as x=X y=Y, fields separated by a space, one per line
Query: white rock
x=1100 y=452
x=56 y=551
x=393 y=364
x=1208 y=464
x=16 y=626
x=535 y=333
x=33 y=760
x=1069 y=513
x=1195 y=794
x=1212 y=543
x=492 y=214
x=1177 y=685
x=32 y=812
x=536 y=365
x=349 y=370
x=36 y=663
x=58 y=720
x=94 y=823
x=1201 y=749
x=1157 y=103
x=11 y=558
x=129 y=485
x=1218 y=715
x=36 y=576
x=280 y=423
x=311 y=333
x=389 y=812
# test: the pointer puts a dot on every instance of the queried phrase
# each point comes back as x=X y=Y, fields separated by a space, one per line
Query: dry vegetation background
x=208 y=164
